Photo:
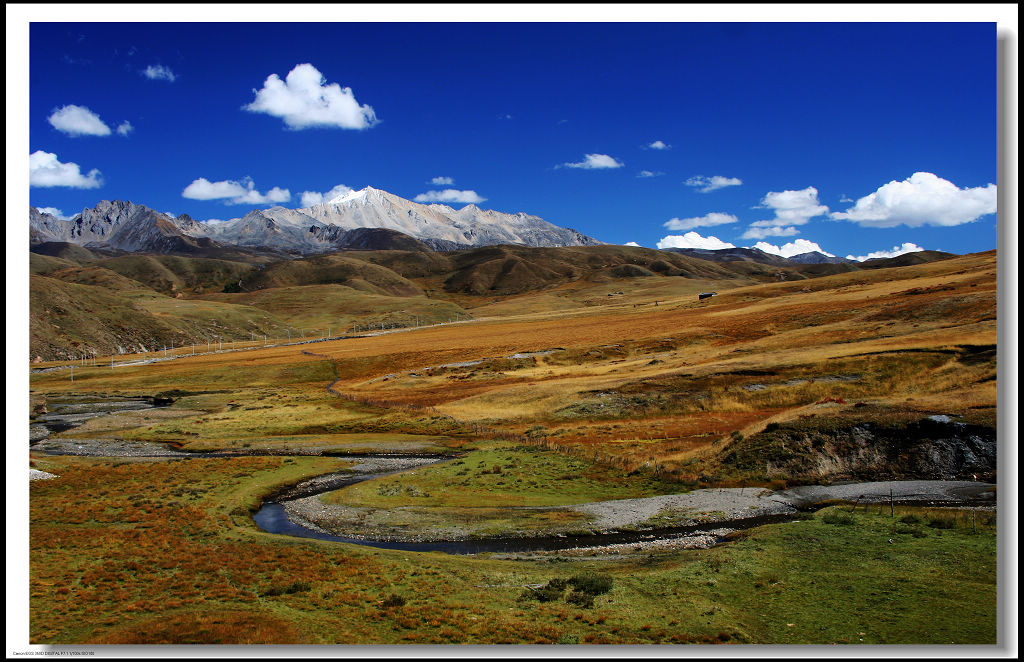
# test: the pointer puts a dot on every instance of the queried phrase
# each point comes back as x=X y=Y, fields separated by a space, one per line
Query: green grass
x=143 y=552
x=501 y=475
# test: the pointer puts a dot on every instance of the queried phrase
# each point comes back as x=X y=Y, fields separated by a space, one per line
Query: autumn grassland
x=576 y=392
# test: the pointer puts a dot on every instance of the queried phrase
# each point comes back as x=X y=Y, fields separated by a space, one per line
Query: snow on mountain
x=320 y=228
x=439 y=225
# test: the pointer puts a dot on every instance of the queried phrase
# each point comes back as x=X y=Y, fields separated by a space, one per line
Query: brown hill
x=171 y=274
x=65 y=250
x=337 y=268
x=68 y=320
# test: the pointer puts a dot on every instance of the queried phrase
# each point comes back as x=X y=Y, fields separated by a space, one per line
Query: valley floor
x=604 y=416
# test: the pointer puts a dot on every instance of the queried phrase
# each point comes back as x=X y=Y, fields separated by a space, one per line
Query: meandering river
x=735 y=508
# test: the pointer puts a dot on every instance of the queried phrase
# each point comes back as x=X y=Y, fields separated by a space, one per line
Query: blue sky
x=855 y=138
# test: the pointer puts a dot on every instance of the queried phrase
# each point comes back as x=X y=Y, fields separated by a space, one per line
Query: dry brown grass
x=717 y=366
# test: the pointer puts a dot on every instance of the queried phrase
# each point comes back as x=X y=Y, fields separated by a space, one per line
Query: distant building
x=705 y=295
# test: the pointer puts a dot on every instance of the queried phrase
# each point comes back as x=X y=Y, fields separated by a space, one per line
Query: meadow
x=590 y=395
x=164 y=552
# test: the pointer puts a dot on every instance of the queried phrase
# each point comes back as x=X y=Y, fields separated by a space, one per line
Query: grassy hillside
x=170 y=274
x=340 y=307
x=393 y=288
x=667 y=385
x=110 y=316
x=582 y=391
x=43 y=264
x=337 y=268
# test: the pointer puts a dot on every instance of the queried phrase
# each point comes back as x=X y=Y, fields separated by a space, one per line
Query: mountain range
x=369 y=218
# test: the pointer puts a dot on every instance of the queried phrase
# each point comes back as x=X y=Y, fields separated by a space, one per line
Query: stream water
x=273 y=517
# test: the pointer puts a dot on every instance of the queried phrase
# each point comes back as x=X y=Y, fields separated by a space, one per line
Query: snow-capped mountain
x=438 y=225
x=320 y=228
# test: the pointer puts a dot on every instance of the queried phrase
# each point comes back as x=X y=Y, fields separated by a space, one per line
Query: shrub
x=941 y=523
x=580 y=599
x=838 y=517
x=393 y=600
x=910 y=519
x=294 y=587
x=550 y=592
x=592 y=583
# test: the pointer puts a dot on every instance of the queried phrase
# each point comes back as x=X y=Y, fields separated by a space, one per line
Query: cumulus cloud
x=310 y=198
x=449 y=195
x=708 y=220
x=771 y=231
x=442 y=181
x=594 y=162
x=233 y=192
x=796 y=247
x=78 y=121
x=53 y=211
x=124 y=128
x=159 y=72
x=907 y=247
x=922 y=199
x=792 y=207
x=713 y=183
x=46 y=170
x=693 y=240
x=649 y=173
x=658 y=144
x=304 y=101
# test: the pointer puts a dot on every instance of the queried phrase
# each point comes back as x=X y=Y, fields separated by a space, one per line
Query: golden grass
x=900 y=332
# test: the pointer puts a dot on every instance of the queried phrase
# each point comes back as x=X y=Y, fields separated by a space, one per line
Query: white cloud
x=693 y=240
x=707 y=184
x=303 y=101
x=923 y=199
x=632 y=243
x=78 y=121
x=792 y=207
x=53 y=211
x=772 y=231
x=233 y=192
x=449 y=195
x=657 y=144
x=442 y=181
x=708 y=220
x=649 y=173
x=594 y=162
x=46 y=170
x=159 y=72
x=124 y=128
x=907 y=247
x=793 y=248
x=310 y=198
